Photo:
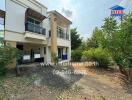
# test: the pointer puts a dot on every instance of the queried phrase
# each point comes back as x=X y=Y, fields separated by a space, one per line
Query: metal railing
x=63 y=36
x=35 y=28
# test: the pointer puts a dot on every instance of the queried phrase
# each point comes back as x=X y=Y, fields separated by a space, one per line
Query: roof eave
x=56 y=12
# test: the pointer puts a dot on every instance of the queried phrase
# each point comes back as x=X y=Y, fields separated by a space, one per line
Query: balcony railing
x=63 y=36
x=34 y=28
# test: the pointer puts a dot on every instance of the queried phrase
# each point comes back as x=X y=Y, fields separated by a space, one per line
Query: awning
x=32 y=13
x=2 y=14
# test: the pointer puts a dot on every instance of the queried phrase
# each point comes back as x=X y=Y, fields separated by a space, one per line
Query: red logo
x=117 y=12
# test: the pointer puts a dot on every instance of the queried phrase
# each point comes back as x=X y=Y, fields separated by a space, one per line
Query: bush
x=76 y=55
x=99 y=55
x=7 y=53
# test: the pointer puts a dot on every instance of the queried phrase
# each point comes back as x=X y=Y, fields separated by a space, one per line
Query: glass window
x=30 y=20
x=37 y=23
x=60 y=32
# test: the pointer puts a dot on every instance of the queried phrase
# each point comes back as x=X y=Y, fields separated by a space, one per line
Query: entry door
x=20 y=47
x=60 y=53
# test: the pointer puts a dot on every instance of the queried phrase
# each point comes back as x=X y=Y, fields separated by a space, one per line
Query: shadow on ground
x=56 y=77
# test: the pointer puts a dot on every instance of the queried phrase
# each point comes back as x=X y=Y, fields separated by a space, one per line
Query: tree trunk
x=130 y=74
x=123 y=71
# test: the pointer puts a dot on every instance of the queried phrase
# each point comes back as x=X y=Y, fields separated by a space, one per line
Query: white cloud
x=68 y=13
x=66 y=8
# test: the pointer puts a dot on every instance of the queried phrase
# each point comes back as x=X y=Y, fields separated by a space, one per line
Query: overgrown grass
x=12 y=85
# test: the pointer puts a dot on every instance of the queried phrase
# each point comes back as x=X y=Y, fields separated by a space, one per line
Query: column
x=13 y=63
x=42 y=52
x=53 y=35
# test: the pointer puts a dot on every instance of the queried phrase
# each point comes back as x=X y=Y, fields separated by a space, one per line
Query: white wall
x=63 y=42
x=48 y=54
x=46 y=24
x=15 y=14
x=19 y=37
x=15 y=17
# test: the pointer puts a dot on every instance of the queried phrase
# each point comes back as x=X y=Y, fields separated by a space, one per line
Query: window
x=60 y=53
x=33 y=21
x=34 y=26
x=60 y=32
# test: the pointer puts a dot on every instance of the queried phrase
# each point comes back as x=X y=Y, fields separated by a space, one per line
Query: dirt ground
x=64 y=83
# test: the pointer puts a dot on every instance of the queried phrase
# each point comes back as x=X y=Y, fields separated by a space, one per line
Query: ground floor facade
x=41 y=53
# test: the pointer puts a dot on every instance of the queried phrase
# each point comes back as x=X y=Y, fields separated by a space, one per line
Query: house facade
x=39 y=34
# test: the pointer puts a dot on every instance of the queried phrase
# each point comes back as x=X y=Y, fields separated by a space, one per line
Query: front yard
x=52 y=83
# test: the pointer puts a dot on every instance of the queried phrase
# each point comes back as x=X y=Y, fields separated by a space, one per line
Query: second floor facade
x=29 y=21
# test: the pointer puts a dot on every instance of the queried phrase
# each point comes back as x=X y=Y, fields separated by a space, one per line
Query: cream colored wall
x=32 y=35
x=54 y=41
x=53 y=34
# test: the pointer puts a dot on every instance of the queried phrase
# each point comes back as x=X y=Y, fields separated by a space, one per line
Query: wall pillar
x=42 y=52
x=53 y=35
x=13 y=63
x=48 y=54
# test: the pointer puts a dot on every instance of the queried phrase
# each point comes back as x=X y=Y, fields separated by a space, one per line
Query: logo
x=117 y=10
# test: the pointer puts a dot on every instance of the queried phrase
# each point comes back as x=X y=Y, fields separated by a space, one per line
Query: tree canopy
x=75 y=39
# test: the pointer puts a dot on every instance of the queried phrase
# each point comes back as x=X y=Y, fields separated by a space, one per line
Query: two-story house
x=37 y=32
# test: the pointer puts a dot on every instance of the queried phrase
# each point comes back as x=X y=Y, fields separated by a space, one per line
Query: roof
x=117 y=7
x=57 y=13
x=34 y=14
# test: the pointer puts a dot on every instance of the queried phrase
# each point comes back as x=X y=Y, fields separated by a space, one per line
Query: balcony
x=35 y=28
x=35 y=31
x=63 y=36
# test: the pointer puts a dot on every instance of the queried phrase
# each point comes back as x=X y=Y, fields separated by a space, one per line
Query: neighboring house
x=38 y=33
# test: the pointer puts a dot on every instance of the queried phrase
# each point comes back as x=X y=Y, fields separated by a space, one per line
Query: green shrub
x=99 y=55
x=88 y=55
x=7 y=53
x=76 y=55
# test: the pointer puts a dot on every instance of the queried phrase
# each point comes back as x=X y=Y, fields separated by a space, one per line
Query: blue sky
x=85 y=14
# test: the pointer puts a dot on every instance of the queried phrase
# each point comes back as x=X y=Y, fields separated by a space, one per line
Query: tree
x=96 y=40
x=110 y=26
x=7 y=53
x=119 y=40
x=99 y=55
x=75 y=39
